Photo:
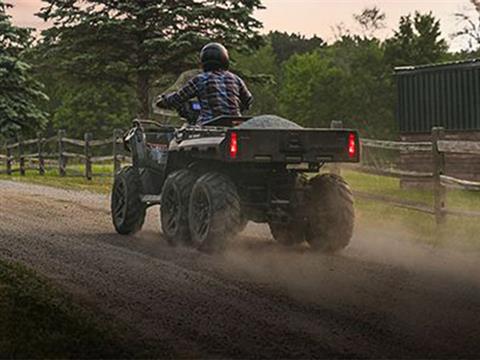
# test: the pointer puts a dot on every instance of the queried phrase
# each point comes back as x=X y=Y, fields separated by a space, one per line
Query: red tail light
x=233 y=145
x=352 y=145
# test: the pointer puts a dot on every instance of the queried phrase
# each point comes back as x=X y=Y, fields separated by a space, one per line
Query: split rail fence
x=53 y=150
x=16 y=153
x=441 y=182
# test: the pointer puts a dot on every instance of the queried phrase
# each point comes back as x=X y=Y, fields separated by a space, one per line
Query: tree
x=370 y=20
x=265 y=93
x=285 y=45
x=417 y=41
x=369 y=102
x=470 y=26
x=306 y=96
x=19 y=92
x=97 y=108
x=348 y=81
x=132 y=42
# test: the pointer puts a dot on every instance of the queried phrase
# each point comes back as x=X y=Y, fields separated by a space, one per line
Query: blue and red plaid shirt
x=220 y=93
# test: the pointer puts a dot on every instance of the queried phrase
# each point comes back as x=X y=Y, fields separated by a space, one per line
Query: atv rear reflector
x=352 y=145
x=233 y=145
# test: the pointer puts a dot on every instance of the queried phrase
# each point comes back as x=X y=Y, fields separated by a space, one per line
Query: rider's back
x=221 y=92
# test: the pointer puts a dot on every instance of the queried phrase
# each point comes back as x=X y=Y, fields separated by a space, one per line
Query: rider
x=219 y=91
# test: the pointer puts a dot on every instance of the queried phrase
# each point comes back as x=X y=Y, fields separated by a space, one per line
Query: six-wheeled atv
x=211 y=180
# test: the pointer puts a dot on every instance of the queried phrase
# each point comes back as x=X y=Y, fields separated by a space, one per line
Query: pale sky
x=311 y=16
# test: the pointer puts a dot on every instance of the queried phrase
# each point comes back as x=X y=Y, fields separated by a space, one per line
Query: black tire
x=214 y=212
x=174 y=207
x=128 y=212
x=330 y=213
x=288 y=234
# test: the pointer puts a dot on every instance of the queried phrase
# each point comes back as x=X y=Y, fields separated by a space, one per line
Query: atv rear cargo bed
x=294 y=146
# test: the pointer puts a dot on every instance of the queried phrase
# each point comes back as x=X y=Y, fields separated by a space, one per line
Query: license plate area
x=300 y=166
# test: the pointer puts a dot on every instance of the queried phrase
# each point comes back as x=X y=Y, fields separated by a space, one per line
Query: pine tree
x=418 y=41
x=134 y=41
x=19 y=92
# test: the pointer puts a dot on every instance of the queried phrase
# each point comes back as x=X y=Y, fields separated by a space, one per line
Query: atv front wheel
x=330 y=213
x=214 y=212
x=128 y=212
x=174 y=207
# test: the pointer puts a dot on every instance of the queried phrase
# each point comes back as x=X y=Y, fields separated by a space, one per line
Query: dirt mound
x=269 y=122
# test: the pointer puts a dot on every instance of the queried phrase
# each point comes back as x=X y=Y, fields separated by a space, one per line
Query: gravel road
x=383 y=297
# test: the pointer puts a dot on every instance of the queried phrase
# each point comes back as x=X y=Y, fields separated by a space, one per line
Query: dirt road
x=382 y=297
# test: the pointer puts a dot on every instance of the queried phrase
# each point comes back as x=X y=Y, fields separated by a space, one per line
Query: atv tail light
x=352 y=146
x=233 y=145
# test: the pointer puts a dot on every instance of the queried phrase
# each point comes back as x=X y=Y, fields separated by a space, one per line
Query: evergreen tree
x=133 y=42
x=417 y=41
x=19 y=93
x=286 y=45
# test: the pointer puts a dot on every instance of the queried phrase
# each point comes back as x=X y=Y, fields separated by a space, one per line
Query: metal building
x=446 y=95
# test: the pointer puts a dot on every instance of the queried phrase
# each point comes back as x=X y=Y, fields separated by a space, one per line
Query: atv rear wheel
x=214 y=212
x=174 y=207
x=330 y=213
x=128 y=212
x=287 y=234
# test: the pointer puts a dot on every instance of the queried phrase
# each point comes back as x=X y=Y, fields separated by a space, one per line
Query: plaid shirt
x=219 y=92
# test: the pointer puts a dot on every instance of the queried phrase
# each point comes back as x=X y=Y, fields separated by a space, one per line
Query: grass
x=73 y=181
x=456 y=232
x=39 y=321
x=421 y=227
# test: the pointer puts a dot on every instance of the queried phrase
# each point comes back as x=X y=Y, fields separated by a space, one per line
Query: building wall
x=446 y=95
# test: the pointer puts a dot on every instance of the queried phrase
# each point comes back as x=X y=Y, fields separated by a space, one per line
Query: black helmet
x=214 y=56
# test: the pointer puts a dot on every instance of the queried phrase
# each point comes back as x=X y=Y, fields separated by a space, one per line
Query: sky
x=311 y=17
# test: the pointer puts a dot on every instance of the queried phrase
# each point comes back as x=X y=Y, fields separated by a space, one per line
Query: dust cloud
x=374 y=253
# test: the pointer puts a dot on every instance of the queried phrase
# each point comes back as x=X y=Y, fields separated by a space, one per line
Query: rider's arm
x=177 y=99
x=246 y=96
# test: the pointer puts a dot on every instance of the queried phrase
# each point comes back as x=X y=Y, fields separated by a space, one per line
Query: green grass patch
x=101 y=182
x=456 y=199
x=456 y=232
x=39 y=321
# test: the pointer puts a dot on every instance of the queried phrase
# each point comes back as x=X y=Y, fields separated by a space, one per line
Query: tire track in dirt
x=381 y=298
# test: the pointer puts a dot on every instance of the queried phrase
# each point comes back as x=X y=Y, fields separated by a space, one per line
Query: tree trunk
x=143 y=95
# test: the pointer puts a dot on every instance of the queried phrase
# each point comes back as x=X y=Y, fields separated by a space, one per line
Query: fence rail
x=388 y=172
x=450 y=181
x=438 y=147
x=397 y=145
x=463 y=147
x=15 y=152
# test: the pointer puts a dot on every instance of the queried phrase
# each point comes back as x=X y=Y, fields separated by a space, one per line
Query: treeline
x=101 y=64
x=351 y=79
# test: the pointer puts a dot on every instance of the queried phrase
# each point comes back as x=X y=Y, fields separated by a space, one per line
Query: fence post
x=62 y=164
x=9 y=160
x=336 y=124
x=117 y=133
x=88 y=156
x=439 y=192
x=21 y=155
x=41 y=159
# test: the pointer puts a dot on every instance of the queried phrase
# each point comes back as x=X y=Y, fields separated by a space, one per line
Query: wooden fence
x=16 y=152
x=438 y=147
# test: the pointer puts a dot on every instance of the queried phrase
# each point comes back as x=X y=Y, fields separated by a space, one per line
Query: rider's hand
x=161 y=101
